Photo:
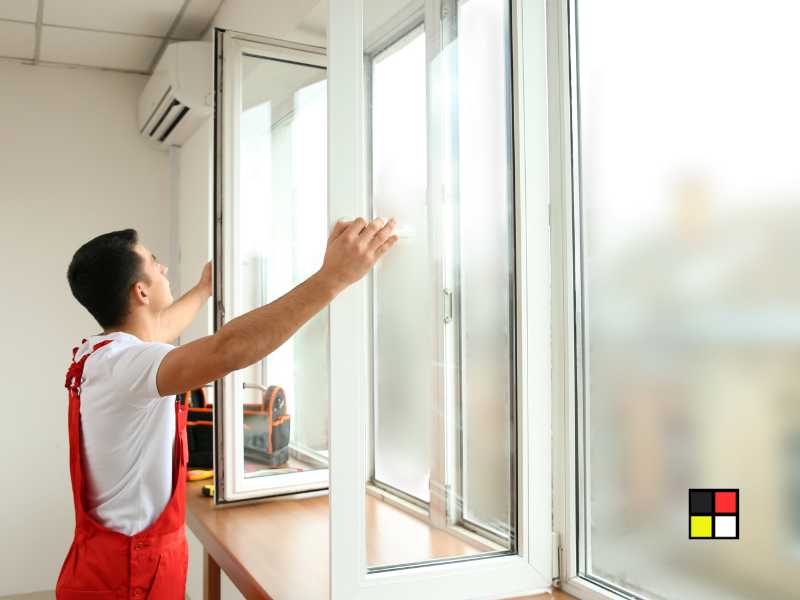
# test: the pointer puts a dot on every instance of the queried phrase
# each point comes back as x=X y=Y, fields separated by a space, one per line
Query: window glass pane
x=282 y=229
x=689 y=195
x=442 y=311
x=486 y=245
x=403 y=329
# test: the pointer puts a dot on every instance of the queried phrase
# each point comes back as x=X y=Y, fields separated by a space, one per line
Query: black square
x=701 y=502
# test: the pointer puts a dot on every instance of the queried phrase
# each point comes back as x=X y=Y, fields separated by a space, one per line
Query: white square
x=725 y=527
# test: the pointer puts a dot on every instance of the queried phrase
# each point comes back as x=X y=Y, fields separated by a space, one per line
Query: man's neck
x=142 y=328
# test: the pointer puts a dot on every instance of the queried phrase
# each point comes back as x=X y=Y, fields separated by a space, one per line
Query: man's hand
x=178 y=315
x=354 y=247
x=206 y=283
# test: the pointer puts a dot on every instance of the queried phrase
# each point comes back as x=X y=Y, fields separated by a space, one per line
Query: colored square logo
x=701 y=502
x=701 y=526
x=725 y=502
x=725 y=527
x=713 y=514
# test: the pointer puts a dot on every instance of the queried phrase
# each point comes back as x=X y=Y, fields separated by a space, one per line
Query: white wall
x=72 y=166
x=193 y=228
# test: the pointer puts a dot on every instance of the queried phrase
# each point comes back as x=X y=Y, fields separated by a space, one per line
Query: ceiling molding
x=90 y=29
x=17 y=21
x=19 y=59
x=126 y=33
x=55 y=63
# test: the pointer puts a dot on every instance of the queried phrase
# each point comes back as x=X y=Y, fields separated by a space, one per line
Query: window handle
x=448 y=305
x=256 y=386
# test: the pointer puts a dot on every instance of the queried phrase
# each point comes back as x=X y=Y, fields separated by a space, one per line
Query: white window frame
x=496 y=577
x=570 y=411
x=231 y=485
x=567 y=406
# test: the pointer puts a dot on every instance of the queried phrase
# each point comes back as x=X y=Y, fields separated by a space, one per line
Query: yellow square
x=701 y=527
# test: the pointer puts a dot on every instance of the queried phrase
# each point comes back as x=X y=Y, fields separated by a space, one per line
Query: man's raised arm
x=353 y=248
x=177 y=317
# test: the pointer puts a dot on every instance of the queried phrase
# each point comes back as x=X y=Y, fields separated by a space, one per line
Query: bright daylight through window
x=687 y=233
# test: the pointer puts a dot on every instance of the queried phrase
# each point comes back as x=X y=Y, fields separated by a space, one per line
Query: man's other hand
x=205 y=282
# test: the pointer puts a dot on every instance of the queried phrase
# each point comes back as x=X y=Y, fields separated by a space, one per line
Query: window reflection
x=282 y=218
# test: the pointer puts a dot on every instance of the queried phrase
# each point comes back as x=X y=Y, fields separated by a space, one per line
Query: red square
x=725 y=502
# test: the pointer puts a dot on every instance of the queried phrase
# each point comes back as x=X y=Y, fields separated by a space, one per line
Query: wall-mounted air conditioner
x=177 y=97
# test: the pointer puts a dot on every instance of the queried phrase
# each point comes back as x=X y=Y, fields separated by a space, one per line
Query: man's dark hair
x=102 y=272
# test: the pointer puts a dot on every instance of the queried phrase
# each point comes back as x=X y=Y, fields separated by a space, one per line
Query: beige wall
x=193 y=226
x=72 y=166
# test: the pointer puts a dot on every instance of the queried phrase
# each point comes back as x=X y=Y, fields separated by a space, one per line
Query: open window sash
x=528 y=569
x=243 y=198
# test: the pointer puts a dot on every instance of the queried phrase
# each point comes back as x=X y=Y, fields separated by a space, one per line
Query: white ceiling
x=126 y=35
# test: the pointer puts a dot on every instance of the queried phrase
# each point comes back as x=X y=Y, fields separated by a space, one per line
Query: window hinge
x=557 y=550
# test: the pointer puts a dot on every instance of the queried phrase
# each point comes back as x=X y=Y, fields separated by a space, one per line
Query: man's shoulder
x=123 y=348
x=120 y=340
x=127 y=363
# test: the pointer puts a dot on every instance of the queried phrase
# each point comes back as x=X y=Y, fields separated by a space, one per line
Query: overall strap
x=73 y=385
x=75 y=371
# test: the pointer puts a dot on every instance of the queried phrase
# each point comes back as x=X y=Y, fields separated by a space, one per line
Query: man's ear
x=139 y=292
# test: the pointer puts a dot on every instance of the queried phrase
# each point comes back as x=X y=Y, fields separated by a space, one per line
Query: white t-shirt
x=128 y=432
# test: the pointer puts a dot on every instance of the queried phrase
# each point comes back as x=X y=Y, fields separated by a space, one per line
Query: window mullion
x=436 y=190
x=453 y=438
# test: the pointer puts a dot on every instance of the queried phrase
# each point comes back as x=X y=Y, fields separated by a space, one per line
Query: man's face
x=158 y=290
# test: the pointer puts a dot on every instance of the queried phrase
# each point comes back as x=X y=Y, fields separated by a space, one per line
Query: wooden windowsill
x=278 y=550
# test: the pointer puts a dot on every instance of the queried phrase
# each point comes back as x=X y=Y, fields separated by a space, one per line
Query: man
x=128 y=449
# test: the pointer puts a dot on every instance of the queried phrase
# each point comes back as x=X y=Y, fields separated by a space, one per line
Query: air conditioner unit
x=177 y=98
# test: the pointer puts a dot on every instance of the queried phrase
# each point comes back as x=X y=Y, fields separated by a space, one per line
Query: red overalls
x=104 y=564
